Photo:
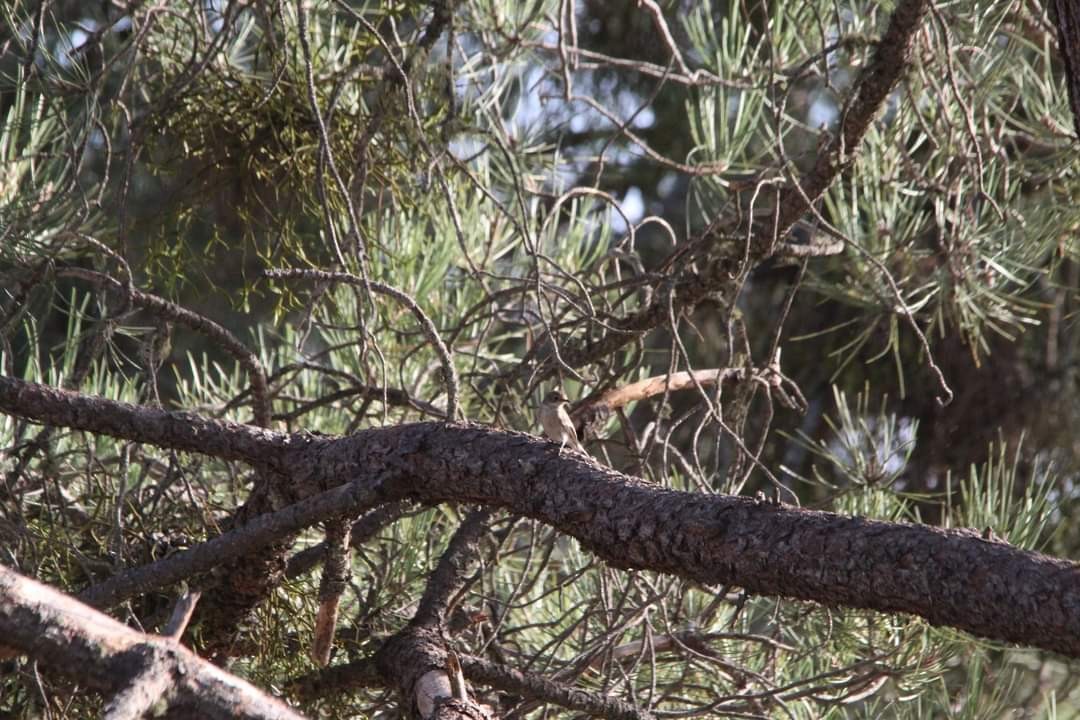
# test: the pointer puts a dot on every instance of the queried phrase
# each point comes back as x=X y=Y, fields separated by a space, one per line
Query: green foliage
x=186 y=156
x=1007 y=501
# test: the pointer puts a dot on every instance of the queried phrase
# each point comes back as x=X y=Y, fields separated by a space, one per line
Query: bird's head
x=555 y=397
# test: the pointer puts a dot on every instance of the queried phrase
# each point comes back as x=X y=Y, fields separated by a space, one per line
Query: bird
x=555 y=419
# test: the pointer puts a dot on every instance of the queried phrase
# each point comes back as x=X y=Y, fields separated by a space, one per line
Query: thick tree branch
x=949 y=577
x=1067 y=19
x=106 y=655
x=427 y=684
x=163 y=428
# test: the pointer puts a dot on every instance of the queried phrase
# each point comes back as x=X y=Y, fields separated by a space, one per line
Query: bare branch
x=451 y=573
x=167 y=429
x=171 y=311
x=332 y=585
x=532 y=686
x=258 y=533
x=718 y=268
x=181 y=614
x=362 y=530
x=105 y=654
x=430 y=331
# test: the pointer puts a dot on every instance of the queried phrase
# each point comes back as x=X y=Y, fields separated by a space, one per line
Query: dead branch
x=143 y=670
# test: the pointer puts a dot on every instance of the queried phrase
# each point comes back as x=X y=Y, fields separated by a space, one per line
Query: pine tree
x=283 y=284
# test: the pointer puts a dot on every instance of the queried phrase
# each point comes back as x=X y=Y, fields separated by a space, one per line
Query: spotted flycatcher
x=555 y=417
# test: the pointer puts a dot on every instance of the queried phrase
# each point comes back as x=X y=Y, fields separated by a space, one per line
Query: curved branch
x=947 y=576
x=171 y=311
x=430 y=331
x=672 y=382
x=950 y=577
x=873 y=86
x=514 y=681
x=451 y=574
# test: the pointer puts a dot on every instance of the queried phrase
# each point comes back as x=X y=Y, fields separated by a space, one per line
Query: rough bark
x=1067 y=19
x=949 y=577
x=144 y=670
